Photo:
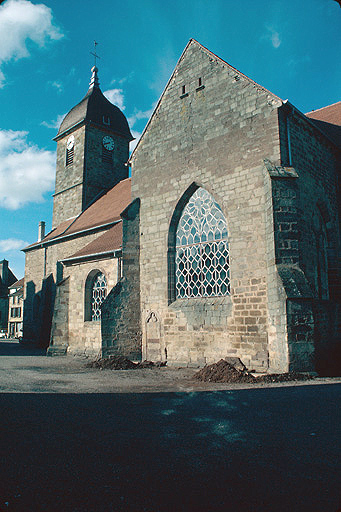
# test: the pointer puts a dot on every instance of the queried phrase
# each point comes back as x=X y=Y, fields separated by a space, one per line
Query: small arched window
x=201 y=249
x=95 y=293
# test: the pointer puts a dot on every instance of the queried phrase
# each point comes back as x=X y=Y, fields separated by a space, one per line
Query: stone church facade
x=229 y=240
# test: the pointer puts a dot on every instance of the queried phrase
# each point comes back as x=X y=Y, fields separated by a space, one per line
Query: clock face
x=108 y=143
x=70 y=142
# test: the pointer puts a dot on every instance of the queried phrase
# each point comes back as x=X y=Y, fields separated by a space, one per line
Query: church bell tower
x=92 y=150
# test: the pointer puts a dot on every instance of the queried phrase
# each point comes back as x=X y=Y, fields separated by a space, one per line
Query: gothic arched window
x=95 y=293
x=201 y=249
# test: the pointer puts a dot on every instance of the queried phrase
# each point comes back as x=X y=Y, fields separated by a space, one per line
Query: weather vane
x=94 y=53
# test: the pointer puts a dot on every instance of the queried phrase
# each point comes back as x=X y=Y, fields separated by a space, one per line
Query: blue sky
x=290 y=47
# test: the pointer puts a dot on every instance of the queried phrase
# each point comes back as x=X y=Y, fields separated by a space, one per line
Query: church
x=222 y=239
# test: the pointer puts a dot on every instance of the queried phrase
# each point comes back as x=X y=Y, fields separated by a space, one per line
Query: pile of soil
x=223 y=371
x=283 y=377
x=112 y=363
x=120 y=363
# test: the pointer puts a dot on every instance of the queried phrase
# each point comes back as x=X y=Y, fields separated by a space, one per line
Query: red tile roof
x=330 y=114
x=110 y=241
x=105 y=210
x=328 y=119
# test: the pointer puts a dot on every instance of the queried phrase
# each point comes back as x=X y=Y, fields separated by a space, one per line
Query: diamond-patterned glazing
x=99 y=292
x=202 y=255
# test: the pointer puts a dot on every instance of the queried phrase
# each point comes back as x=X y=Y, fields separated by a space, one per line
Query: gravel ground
x=24 y=370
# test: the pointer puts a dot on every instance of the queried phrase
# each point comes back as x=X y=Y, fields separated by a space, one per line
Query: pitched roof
x=328 y=119
x=107 y=243
x=104 y=211
x=329 y=114
x=93 y=107
x=18 y=284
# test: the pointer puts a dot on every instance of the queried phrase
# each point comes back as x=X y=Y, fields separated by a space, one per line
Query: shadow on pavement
x=260 y=450
x=14 y=348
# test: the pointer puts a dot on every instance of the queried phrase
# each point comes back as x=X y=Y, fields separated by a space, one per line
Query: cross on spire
x=94 y=52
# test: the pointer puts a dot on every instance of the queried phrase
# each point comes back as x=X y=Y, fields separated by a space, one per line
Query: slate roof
x=328 y=119
x=92 y=108
x=104 y=211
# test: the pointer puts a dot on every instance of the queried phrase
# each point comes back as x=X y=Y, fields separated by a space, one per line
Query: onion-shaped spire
x=94 y=82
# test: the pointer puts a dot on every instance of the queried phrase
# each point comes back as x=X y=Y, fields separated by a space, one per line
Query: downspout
x=289 y=140
x=45 y=260
x=85 y=170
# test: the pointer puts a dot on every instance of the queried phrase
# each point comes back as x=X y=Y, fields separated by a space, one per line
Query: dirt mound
x=112 y=363
x=283 y=377
x=121 y=363
x=223 y=371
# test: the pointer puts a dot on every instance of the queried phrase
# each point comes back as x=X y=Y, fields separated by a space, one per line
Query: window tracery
x=202 y=254
x=99 y=292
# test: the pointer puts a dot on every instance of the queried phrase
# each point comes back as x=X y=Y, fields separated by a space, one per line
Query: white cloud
x=273 y=36
x=55 y=124
x=12 y=244
x=26 y=171
x=296 y=62
x=57 y=85
x=116 y=97
x=139 y=114
x=134 y=143
x=123 y=80
x=21 y=21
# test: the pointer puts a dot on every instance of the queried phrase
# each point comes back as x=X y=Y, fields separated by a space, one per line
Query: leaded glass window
x=99 y=292
x=202 y=255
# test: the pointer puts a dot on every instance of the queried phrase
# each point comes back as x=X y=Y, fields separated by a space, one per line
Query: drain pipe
x=288 y=139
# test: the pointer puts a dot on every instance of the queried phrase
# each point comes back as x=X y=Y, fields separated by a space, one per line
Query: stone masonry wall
x=60 y=320
x=79 y=183
x=68 y=196
x=314 y=159
x=216 y=134
x=277 y=314
x=121 y=324
x=34 y=275
x=70 y=329
x=41 y=262
x=313 y=193
x=98 y=175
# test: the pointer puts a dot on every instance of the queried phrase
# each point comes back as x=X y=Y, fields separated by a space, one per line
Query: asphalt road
x=78 y=439
x=275 y=449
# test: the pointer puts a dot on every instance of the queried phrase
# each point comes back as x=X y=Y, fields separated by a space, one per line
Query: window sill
x=201 y=301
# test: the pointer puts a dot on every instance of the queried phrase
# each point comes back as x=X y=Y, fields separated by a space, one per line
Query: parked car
x=3 y=333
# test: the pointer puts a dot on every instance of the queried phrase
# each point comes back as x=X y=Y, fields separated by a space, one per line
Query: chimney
x=41 y=231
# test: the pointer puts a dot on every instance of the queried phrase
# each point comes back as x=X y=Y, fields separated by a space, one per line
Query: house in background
x=16 y=309
x=7 y=278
